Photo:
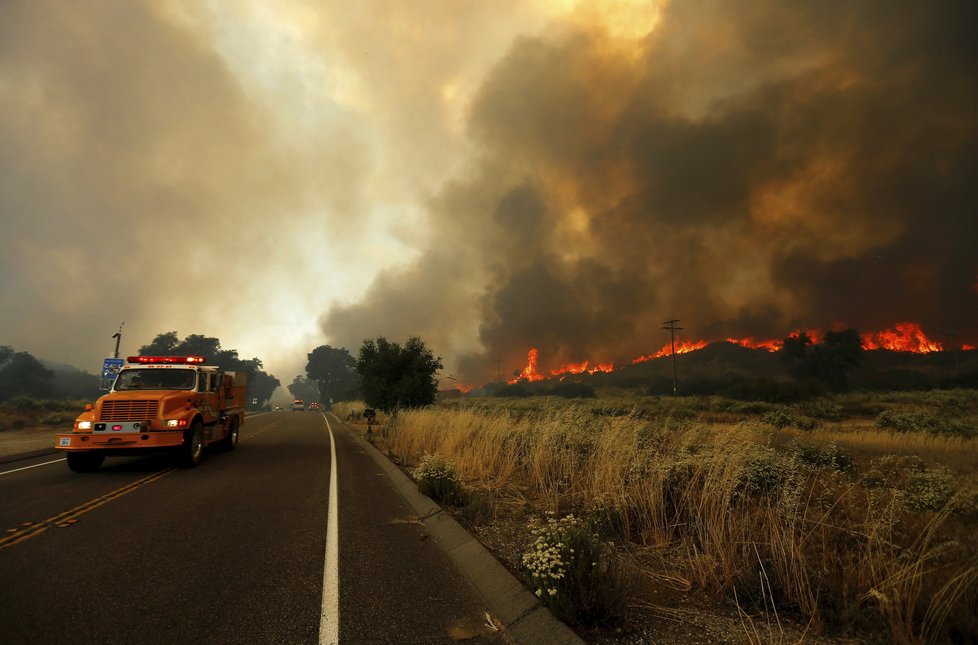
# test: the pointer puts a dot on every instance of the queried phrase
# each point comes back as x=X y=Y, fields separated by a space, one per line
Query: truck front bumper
x=118 y=440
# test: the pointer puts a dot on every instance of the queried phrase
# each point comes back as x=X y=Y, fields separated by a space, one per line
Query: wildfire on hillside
x=906 y=337
x=903 y=337
x=529 y=372
x=682 y=347
x=582 y=368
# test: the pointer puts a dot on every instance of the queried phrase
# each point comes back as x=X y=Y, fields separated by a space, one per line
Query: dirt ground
x=22 y=440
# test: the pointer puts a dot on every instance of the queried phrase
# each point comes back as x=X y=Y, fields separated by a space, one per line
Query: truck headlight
x=176 y=423
x=83 y=425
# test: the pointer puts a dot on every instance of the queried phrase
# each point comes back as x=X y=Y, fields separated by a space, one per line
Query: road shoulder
x=524 y=618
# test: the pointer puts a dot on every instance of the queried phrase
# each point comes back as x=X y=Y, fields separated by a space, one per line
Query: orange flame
x=682 y=347
x=907 y=337
x=570 y=368
x=750 y=343
x=529 y=372
x=582 y=368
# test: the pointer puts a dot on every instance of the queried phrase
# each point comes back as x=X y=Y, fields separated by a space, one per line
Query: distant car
x=298 y=405
x=313 y=406
x=278 y=407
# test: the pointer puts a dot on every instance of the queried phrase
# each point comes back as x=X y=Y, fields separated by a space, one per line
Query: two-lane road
x=234 y=550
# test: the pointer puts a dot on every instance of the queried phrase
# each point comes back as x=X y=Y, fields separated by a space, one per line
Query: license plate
x=64 y=441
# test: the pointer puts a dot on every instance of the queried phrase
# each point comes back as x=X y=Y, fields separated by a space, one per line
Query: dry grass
x=819 y=523
x=953 y=451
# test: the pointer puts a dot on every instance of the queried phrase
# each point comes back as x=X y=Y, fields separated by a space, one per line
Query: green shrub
x=821 y=408
x=24 y=404
x=931 y=422
x=764 y=471
x=437 y=478
x=779 y=418
x=826 y=456
x=579 y=576
x=929 y=490
x=904 y=421
x=918 y=487
x=789 y=417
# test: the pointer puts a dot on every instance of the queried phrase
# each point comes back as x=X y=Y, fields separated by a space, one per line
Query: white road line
x=7 y=472
x=329 y=617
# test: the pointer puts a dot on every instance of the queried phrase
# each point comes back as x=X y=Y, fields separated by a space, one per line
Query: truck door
x=209 y=396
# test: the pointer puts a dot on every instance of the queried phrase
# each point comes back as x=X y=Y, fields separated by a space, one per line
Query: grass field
x=855 y=515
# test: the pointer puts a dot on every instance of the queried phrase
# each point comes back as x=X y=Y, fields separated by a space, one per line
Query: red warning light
x=166 y=360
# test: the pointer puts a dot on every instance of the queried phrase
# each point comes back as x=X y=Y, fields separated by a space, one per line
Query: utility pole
x=671 y=326
x=118 y=338
x=498 y=363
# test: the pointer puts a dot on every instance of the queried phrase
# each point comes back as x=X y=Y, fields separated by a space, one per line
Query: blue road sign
x=110 y=367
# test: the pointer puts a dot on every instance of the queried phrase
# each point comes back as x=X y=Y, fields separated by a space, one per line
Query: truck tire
x=84 y=462
x=192 y=450
x=231 y=441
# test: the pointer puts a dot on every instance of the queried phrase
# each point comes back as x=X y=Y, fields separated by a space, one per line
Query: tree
x=828 y=364
x=162 y=345
x=261 y=385
x=22 y=375
x=394 y=377
x=796 y=353
x=836 y=356
x=335 y=372
x=303 y=388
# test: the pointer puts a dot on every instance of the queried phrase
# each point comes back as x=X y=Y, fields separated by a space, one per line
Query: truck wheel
x=192 y=450
x=84 y=462
x=231 y=440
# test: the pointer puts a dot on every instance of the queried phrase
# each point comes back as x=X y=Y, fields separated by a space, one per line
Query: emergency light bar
x=181 y=360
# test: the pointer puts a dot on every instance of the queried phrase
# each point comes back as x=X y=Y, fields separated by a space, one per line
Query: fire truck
x=159 y=403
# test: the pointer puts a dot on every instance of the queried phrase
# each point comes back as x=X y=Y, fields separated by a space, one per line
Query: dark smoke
x=748 y=169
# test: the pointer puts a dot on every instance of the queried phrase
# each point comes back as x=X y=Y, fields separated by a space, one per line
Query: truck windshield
x=156 y=380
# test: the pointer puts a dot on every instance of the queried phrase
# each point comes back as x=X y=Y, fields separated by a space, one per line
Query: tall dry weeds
x=721 y=507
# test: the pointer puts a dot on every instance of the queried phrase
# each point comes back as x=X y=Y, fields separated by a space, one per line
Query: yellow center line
x=265 y=429
x=25 y=532
x=18 y=535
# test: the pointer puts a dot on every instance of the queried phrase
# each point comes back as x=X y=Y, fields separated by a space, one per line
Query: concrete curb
x=526 y=620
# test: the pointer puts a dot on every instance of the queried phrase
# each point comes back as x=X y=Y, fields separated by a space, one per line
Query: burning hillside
x=903 y=337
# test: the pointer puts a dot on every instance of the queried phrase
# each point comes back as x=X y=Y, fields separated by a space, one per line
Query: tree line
x=385 y=375
x=21 y=374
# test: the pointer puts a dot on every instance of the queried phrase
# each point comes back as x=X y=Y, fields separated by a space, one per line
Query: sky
x=488 y=176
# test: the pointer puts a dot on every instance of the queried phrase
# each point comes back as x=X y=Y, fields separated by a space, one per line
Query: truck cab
x=159 y=403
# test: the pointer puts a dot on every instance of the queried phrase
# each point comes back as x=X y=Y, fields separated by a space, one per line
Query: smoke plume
x=746 y=168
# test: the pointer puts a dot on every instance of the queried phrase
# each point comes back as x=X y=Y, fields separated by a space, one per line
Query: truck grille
x=128 y=410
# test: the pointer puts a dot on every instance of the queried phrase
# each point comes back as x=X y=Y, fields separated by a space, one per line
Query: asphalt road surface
x=233 y=551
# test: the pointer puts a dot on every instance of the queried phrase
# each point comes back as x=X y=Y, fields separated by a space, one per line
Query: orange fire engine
x=174 y=403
